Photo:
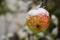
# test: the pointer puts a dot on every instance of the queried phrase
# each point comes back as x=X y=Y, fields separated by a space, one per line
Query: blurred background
x=13 y=17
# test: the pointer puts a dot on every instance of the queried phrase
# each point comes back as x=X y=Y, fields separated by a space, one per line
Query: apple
x=38 y=20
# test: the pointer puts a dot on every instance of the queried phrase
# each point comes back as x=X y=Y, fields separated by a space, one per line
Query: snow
x=38 y=11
